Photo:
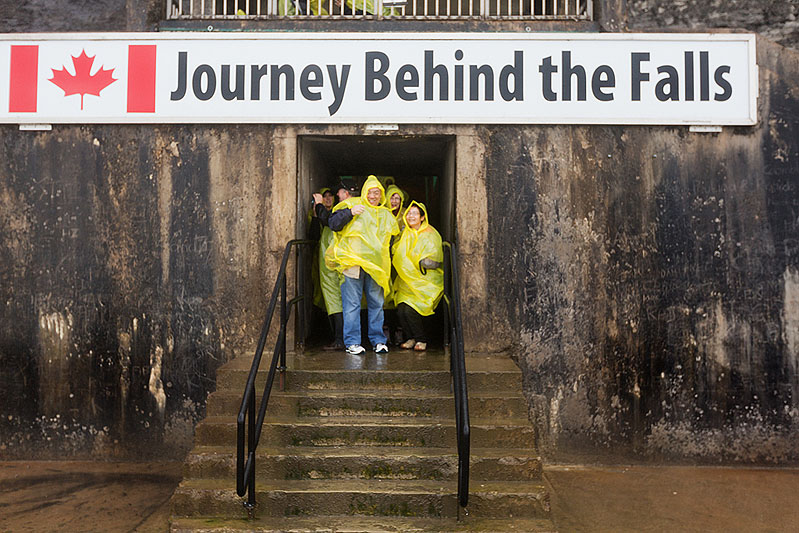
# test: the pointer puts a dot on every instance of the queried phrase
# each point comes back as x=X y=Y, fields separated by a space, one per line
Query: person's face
x=373 y=196
x=395 y=201
x=327 y=199
x=343 y=194
x=414 y=217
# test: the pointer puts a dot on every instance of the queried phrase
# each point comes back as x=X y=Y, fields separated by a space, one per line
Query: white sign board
x=474 y=78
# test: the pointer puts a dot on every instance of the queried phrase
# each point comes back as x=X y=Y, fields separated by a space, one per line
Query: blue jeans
x=351 y=292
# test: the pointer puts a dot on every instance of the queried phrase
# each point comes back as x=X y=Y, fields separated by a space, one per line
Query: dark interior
x=418 y=165
x=422 y=166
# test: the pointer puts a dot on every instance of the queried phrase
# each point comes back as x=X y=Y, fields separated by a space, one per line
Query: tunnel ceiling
x=381 y=155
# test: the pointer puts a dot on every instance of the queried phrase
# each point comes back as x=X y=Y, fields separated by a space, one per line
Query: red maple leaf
x=82 y=82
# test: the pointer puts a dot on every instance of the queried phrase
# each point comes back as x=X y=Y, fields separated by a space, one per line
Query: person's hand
x=357 y=210
x=317 y=198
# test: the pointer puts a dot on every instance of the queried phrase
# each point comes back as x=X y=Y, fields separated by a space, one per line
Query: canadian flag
x=24 y=78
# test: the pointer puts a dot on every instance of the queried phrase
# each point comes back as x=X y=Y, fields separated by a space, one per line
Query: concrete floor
x=76 y=496
x=72 y=496
x=673 y=498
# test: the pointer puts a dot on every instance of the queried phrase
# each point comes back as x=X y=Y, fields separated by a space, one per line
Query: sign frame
x=747 y=118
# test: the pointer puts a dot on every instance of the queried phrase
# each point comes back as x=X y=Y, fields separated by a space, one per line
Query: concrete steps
x=214 y=498
x=371 y=431
x=368 y=443
x=317 y=403
x=360 y=524
x=396 y=371
x=367 y=462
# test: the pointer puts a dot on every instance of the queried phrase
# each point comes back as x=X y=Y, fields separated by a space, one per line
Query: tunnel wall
x=651 y=279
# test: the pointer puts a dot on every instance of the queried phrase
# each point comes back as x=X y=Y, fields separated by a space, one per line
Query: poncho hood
x=423 y=211
x=392 y=189
x=371 y=183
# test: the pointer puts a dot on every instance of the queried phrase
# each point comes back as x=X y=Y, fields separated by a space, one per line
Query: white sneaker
x=356 y=349
x=381 y=348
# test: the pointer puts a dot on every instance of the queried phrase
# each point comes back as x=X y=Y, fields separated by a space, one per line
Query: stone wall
x=646 y=278
x=34 y=16
x=135 y=261
x=656 y=280
x=774 y=19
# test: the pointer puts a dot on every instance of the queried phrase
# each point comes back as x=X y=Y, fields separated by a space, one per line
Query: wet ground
x=68 y=496
x=674 y=498
x=124 y=497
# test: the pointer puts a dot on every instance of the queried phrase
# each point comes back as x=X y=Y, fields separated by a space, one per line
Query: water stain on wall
x=137 y=276
x=657 y=275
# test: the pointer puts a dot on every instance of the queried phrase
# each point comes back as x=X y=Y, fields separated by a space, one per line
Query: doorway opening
x=422 y=166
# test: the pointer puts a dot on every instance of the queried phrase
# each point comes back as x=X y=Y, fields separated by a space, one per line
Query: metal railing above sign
x=379 y=78
x=377 y=9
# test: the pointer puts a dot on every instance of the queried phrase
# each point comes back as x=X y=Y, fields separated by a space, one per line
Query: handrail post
x=303 y=309
x=458 y=371
x=251 y=444
x=447 y=341
x=249 y=421
x=448 y=293
x=283 y=321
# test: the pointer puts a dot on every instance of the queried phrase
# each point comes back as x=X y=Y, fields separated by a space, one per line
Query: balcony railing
x=381 y=9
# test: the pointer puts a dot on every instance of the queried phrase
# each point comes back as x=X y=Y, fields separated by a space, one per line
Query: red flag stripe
x=23 y=78
x=141 y=78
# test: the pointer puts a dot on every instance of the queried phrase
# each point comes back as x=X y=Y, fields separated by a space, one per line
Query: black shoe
x=333 y=347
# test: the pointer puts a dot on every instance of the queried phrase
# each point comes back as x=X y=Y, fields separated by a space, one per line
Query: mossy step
x=399 y=370
x=380 y=380
x=372 y=431
x=362 y=524
x=410 y=498
x=384 y=403
x=404 y=360
x=365 y=462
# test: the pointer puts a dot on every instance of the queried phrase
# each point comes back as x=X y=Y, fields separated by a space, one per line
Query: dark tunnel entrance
x=423 y=166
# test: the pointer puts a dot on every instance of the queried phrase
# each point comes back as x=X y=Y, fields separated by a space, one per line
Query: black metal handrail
x=248 y=425
x=452 y=323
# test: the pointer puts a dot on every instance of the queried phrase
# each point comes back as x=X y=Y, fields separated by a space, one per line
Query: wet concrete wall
x=135 y=262
x=653 y=276
x=647 y=279
x=773 y=19
x=33 y=16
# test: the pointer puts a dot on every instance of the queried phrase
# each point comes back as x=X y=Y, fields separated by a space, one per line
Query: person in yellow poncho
x=360 y=251
x=327 y=281
x=418 y=255
x=324 y=197
x=396 y=203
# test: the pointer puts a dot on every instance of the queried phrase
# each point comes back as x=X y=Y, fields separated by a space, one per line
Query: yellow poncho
x=329 y=280
x=317 y=265
x=364 y=241
x=420 y=291
x=287 y=7
x=400 y=216
x=359 y=6
x=390 y=191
